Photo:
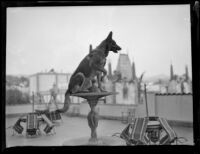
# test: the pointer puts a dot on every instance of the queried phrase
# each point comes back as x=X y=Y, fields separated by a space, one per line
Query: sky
x=154 y=36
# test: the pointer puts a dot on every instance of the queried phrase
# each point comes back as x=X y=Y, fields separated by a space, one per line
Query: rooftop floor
x=77 y=127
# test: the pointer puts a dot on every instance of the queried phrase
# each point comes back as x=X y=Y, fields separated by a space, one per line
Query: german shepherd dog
x=90 y=67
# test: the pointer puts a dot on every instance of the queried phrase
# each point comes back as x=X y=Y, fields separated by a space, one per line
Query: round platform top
x=93 y=95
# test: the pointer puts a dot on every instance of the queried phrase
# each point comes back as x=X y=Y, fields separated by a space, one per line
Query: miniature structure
x=149 y=130
x=33 y=122
x=92 y=99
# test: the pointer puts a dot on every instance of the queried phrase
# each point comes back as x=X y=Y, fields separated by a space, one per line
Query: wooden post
x=33 y=102
x=145 y=91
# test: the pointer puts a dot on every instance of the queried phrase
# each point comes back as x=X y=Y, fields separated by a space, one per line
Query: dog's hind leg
x=86 y=85
x=77 y=82
x=81 y=84
x=99 y=79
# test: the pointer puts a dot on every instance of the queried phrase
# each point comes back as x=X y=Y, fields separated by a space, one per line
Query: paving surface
x=73 y=128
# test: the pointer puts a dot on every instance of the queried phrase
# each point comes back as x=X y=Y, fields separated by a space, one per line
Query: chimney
x=186 y=73
x=109 y=69
x=133 y=71
x=171 y=72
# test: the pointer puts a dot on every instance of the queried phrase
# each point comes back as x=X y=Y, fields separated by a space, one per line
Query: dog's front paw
x=102 y=90
x=105 y=72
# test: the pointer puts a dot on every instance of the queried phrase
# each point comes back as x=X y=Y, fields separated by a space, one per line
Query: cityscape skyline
x=40 y=39
x=111 y=71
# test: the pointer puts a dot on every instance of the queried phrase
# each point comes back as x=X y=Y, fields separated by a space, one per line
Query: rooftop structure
x=124 y=67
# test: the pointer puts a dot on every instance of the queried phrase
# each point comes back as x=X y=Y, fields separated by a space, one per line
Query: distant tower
x=124 y=67
x=109 y=69
x=133 y=71
x=186 y=73
x=171 y=72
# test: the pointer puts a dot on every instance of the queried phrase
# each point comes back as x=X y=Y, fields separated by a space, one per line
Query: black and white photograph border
x=100 y=74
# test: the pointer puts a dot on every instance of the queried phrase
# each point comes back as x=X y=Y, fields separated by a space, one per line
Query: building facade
x=124 y=67
x=123 y=81
x=179 y=83
x=43 y=82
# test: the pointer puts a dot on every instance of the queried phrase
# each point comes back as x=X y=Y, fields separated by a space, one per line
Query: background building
x=124 y=67
x=123 y=81
x=43 y=82
x=179 y=83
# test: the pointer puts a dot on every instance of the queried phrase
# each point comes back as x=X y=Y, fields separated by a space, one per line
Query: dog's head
x=110 y=44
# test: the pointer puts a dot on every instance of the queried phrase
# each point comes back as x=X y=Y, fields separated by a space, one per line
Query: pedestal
x=93 y=117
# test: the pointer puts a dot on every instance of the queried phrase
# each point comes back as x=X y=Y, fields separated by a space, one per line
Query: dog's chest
x=103 y=62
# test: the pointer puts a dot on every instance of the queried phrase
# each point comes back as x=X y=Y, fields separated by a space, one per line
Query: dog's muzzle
x=117 y=48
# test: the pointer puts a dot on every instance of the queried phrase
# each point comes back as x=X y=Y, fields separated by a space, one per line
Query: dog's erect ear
x=109 y=36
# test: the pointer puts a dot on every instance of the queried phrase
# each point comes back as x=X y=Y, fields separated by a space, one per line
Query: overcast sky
x=41 y=38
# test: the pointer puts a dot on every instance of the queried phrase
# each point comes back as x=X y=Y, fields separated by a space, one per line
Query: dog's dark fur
x=92 y=65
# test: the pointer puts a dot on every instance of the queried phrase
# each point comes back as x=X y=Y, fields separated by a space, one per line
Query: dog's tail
x=67 y=103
